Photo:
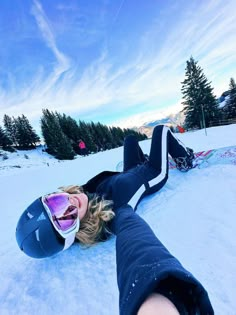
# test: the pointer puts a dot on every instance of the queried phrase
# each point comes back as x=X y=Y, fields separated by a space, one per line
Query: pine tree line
x=201 y=107
x=18 y=133
x=62 y=133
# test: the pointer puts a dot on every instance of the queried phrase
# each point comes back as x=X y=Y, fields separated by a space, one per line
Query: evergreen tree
x=4 y=139
x=33 y=137
x=118 y=135
x=231 y=101
x=25 y=134
x=87 y=137
x=114 y=137
x=21 y=134
x=92 y=129
x=200 y=105
x=104 y=136
x=71 y=129
x=99 y=134
x=143 y=136
x=57 y=142
x=10 y=128
x=140 y=136
x=108 y=138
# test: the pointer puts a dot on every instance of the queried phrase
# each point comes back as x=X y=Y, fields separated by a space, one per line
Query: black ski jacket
x=128 y=187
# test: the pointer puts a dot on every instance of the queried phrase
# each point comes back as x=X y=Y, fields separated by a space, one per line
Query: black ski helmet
x=35 y=233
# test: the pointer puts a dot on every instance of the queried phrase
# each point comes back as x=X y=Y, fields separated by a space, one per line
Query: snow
x=193 y=215
x=224 y=102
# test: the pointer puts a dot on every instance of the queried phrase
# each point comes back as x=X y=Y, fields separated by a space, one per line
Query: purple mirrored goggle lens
x=64 y=214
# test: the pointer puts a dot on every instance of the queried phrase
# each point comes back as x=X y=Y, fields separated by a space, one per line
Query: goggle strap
x=69 y=241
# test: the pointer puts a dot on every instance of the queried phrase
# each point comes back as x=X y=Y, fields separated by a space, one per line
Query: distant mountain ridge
x=170 y=120
x=157 y=122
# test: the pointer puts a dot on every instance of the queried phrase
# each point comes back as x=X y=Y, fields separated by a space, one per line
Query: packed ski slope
x=194 y=215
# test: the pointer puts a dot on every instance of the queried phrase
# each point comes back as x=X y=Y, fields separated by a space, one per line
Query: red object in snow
x=181 y=129
x=82 y=145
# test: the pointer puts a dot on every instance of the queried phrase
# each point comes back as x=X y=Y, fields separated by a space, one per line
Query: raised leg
x=164 y=142
x=133 y=155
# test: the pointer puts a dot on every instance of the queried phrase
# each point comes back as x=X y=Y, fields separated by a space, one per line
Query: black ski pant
x=144 y=265
x=163 y=143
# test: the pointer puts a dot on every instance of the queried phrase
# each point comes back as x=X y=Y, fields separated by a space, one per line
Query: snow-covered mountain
x=170 y=120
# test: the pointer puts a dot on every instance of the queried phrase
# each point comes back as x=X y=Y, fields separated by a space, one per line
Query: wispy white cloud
x=152 y=76
x=118 y=11
x=39 y=92
x=63 y=62
x=147 y=116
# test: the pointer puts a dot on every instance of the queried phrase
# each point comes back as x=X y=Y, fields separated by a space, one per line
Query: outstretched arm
x=157 y=304
x=144 y=266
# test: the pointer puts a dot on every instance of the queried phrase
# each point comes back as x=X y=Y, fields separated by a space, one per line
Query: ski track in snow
x=193 y=215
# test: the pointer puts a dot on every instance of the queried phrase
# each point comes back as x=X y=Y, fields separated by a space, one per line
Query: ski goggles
x=63 y=215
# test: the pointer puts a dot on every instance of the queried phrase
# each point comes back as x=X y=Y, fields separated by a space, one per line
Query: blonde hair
x=93 y=225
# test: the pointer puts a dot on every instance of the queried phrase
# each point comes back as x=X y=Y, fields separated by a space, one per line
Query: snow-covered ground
x=194 y=215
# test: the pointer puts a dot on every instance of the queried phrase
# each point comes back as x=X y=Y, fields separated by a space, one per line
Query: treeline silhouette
x=61 y=134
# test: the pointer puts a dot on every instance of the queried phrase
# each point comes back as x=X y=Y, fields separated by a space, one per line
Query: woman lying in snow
x=150 y=279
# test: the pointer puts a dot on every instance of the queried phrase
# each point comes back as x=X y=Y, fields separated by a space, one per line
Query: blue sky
x=113 y=61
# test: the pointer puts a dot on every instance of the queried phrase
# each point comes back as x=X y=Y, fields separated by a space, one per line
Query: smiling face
x=80 y=201
x=65 y=210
